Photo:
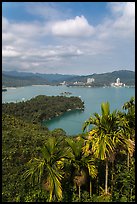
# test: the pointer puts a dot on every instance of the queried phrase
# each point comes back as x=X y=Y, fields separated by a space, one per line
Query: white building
x=118 y=80
x=79 y=83
x=90 y=80
x=63 y=83
x=117 y=83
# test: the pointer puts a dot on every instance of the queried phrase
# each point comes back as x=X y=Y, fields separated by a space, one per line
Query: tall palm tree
x=82 y=164
x=90 y=160
x=75 y=148
x=130 y=114
x=127 y=133
x=101 y=136
x=46 y=168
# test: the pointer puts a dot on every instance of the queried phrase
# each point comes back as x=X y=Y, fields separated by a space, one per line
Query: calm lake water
x=72 y=122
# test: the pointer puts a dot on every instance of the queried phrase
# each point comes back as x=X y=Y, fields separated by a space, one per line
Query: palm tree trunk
x=106 y=179
x=97 y=186
x=128 y=160
x=90 y=192
x=79 y=192
x=112 y=177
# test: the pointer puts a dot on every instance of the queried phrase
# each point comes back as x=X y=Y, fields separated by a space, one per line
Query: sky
x=68 y=37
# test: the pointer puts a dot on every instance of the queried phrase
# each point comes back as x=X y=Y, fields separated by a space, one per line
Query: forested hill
x=127 y=77
x=15 y=78
x=42 y=107
x=15 y=81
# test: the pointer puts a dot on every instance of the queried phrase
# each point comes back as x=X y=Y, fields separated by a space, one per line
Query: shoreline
x=126 y=86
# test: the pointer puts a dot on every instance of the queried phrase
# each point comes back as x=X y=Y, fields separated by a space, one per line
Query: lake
x=72 y=122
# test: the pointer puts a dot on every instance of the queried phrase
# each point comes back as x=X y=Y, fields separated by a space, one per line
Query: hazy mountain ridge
x=8 y=80
x=14 y=78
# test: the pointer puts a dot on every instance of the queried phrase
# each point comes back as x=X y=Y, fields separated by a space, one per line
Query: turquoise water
x=72 y=122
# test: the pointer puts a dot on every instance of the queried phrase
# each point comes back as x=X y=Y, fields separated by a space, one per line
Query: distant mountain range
x=14 y=78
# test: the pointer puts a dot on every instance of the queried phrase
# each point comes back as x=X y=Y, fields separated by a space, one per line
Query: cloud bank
x=66 y=45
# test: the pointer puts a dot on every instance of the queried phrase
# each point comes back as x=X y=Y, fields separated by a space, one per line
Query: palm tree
x=101 y=136
x=130 y=105
x=90 y=160
x=130 y=115
x=127 y=133
x=46 y=169
x=82 y=164
x=76 y=162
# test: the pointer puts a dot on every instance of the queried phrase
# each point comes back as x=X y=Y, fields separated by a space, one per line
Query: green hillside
x=26 y=79
x=39 y=165
x=126 y=76
x=15 y=81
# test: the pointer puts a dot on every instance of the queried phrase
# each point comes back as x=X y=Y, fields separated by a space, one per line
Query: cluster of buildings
x=117 y=83
x=90 y=81
x=79 y=83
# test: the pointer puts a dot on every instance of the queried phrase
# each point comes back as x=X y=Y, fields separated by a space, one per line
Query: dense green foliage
x=42 y=107
x=39 y=165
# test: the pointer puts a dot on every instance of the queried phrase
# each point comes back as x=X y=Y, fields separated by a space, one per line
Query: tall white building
x=118 y=80
x=90 y=80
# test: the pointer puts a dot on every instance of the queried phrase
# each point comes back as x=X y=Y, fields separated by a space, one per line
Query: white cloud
x=9 y=51
x=124 y=23
x=120 y=8
x=7 y=37
x=121 y=25
x=73 y=27
x=27 y=29
x=128 y=15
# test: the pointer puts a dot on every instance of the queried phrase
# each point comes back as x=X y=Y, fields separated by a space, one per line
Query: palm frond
x=92 y=170
x=35 y=171
x=105 y=109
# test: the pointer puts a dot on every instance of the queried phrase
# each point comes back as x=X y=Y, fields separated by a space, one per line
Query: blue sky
x=68 y=37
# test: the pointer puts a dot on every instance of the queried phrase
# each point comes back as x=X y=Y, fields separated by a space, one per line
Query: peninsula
x=43 y=107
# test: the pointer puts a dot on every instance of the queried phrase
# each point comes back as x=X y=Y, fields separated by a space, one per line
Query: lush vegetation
x=99 y=165
x=42 y=107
